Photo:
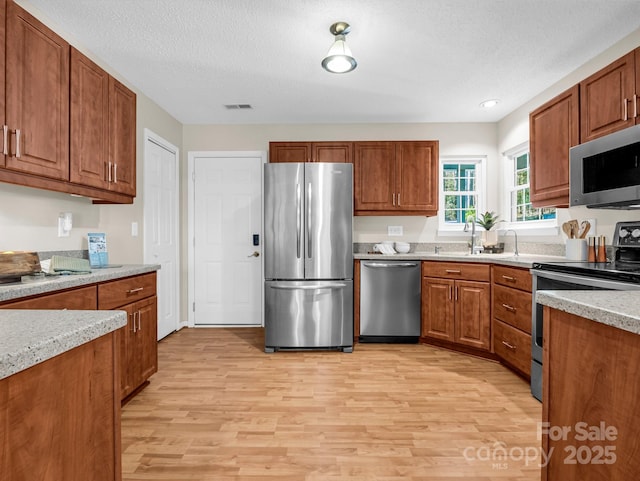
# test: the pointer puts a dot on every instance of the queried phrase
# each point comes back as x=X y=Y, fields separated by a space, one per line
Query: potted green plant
x=488 y=220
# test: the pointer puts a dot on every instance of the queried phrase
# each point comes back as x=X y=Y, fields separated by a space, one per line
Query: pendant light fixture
x=339 y=58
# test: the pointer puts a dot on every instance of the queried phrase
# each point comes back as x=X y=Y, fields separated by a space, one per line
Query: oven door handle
x=585 y=280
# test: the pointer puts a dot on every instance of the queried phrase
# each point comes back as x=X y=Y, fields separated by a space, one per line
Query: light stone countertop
x=507 y=259
x=620 y=309
x=51 y=284
x=31 y=337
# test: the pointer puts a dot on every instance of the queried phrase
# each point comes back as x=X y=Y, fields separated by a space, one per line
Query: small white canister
x=576 y=249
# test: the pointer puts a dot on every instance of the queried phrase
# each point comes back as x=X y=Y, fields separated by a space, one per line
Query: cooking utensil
x=575 y=227
x=585 y=225
x=566 y=228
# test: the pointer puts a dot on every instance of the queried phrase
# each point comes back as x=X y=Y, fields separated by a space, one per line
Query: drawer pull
x=133 y=291
x=509 y=308
x=452 y=271
x=509 y=346
x=509 y=278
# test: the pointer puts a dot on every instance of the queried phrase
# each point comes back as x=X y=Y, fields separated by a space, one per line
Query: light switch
x=134 y=229
x=394 y=230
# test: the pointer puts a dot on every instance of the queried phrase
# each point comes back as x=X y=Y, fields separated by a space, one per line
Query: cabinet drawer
x=457 y=270
x=512 y=277
x=512 y=345
x=84 y=298
x=513 y=307
x=123 y=291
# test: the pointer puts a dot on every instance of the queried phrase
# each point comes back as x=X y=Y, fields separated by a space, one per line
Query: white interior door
x=161 y=204
x=227 y=215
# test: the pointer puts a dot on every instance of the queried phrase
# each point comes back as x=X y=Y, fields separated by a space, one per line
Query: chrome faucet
x=516 y=238
x=475 y=249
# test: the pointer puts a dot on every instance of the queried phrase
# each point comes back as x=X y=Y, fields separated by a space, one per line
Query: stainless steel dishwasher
x=390 y=301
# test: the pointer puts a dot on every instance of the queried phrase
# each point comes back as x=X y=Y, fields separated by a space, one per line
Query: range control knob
x=623 y=233
x=635 y=233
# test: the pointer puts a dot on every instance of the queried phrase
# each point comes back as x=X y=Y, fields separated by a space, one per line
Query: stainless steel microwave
x=605 y=172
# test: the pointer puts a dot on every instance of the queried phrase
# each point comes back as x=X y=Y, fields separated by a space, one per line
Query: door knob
x=255 y=254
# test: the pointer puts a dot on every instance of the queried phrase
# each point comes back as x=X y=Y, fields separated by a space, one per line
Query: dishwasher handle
x=389 y=264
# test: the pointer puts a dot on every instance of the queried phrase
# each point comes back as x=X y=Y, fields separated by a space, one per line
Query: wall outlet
x=394 y=230
x=593 y=230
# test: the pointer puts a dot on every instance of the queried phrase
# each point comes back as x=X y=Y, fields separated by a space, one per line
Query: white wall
x=514 y=130
x=455 y=139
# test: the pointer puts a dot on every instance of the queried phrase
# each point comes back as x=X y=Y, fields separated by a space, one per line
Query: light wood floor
x=220 y=409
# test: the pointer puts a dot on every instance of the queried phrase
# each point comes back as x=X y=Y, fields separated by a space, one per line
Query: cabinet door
x=122 y=138
x=472 y=314
x=332 y=152
x=126 y=339
x=89 y=122
x=417 y=176
x=37 y=96
x=289 y=151
x=553 y=130
x=438 y=308
x=147 y=336
x=374 y=176
x=606 y=99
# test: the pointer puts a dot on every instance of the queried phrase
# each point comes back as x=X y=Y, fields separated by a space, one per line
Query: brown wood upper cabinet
x=553 y=129
x=396 y=178
x=311 y=152
x=609 y=98
x=103 y=120
x=35 y=100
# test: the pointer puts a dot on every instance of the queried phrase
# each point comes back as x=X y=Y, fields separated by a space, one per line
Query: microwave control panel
x=627 y=234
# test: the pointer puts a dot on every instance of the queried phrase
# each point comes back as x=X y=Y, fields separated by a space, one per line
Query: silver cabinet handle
x=17 y=143
x=398 y=199
x=456 y=293
x=139 y=321
x=635 y=105
x=509 y=278
x=509 y=346
x=133 y=322
x=115 y=173
x=452 y=271
x=509 y=308
x=394 y=199
x=626 y=109
x=5 y=140
x=298 y=220
x=137 y=289
x=109 y=172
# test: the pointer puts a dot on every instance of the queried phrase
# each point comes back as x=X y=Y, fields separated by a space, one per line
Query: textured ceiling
x=418 y=60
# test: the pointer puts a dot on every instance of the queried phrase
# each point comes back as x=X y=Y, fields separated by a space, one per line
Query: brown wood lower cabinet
x=512 y=304
x=60 y=419
x=590 y=385
x=137 y=296
x=456 y=303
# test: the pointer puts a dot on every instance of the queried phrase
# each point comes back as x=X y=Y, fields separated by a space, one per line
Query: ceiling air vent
x=238 y=106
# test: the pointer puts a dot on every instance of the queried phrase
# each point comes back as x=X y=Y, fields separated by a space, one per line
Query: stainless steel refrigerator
x=308 y=256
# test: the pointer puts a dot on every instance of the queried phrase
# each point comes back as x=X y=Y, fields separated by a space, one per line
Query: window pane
x=522 y=161
x=521 y=208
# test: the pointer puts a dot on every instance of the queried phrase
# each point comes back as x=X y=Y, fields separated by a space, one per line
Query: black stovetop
x=614 y=270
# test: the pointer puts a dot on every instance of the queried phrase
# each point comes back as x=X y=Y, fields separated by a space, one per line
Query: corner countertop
x=31 y=337
x=56 y=283
x=620 y=309
x=507 y=259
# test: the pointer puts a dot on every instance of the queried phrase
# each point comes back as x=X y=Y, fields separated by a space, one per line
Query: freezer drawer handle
x=395 y=264
x=309 y=288
x=298 y=221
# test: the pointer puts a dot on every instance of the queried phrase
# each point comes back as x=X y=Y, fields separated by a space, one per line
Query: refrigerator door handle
x=395 y=264
x=309 y=252
x=298 y=220
x=313 y=287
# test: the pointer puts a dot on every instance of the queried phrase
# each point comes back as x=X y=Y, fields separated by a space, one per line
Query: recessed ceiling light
x=488 y=104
